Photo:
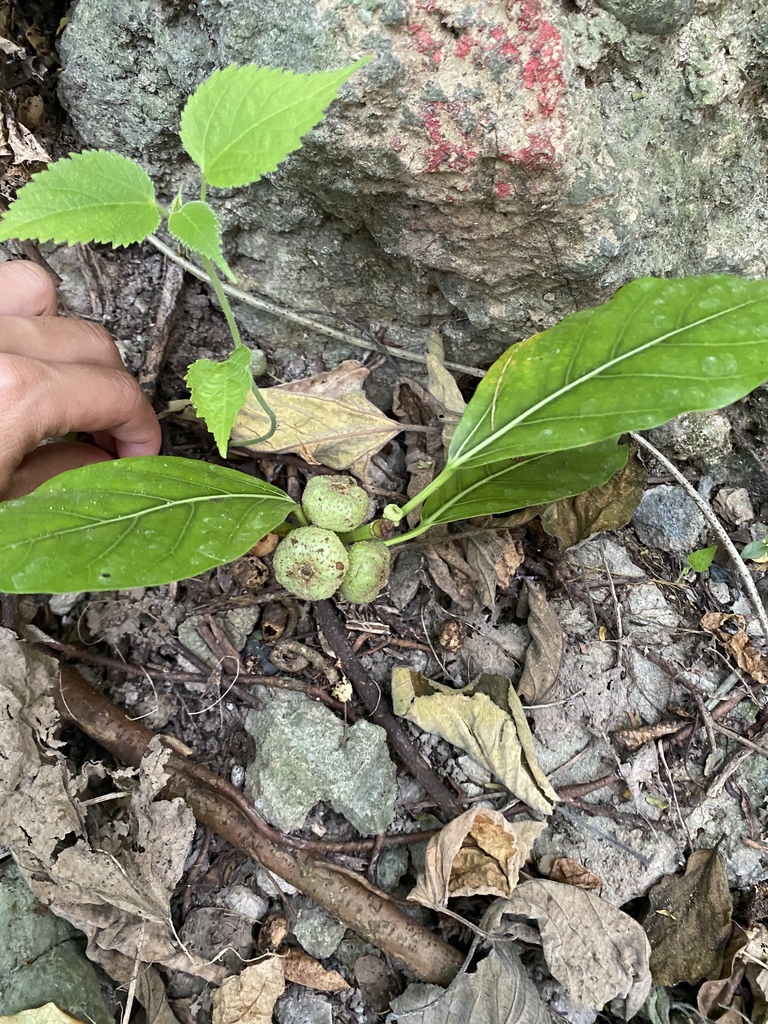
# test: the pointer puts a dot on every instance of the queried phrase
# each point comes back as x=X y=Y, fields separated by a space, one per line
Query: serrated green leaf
x=702 y=559
x=95 y=196
x=219 y=392
x=657 y=349
x=242 y=122
x=136 y=522
x=494 y=489
x=197 y=227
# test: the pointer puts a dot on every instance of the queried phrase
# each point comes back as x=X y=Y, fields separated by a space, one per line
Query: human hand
x=57 y=376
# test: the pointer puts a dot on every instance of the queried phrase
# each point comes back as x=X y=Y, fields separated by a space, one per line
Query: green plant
x=543 y=424
x=238 y=125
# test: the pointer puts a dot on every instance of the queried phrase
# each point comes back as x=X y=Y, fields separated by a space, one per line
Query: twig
x=219 y=806
x=717 y=528
x=380 y=712
x=304 y=321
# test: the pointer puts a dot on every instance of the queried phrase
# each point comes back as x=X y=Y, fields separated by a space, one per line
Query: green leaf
x=491 y=490
x=197 y=227
x=219 y=392
x=135 y=522
x=95 y=196
x=701 y=560
x=657 y=349
x=755 y=551
x=241 y=122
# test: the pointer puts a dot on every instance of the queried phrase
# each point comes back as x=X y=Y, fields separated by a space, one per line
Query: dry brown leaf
x=572 y=872
x=498 y=992
x=478 y=853
x=719 y=1000
x=325 y=419
x=496 y=737
x=377 y=982
x=250 y=997
x=117 y=894
x=731 y=631
x=600 y=508
x=538 y=683
x=453 y=575
x=689 y=921
x=48 y=1014
x=423 y=450
x=597 y=952
x=446 y=396
x=302 y=969
x=494 y=559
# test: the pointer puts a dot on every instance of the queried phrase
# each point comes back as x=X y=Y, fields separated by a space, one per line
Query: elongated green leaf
x=657 y=349
x=497 y=488
x=241 y=122
x=135 y=522
x=95 y=196
x=197 y=226
x=219 y=392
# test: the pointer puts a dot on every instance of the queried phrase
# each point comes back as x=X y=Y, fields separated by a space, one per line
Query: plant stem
x=221 y=295
x=308 y=323
x=418 y=499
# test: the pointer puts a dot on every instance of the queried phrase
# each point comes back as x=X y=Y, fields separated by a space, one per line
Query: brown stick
x=353 y=902
x=380 y=712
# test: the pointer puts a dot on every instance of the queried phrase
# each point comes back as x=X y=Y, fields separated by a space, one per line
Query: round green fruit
x=335 y=503
x=311 y=563
x=368 y=571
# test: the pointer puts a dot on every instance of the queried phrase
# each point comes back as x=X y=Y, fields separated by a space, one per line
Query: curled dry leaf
x=302 y=969
x=325 y=419
x=495 y=559
x=731 y=631
x=572 y=872
x=597 y=952
x=250 y=997
x=689 y=921
x=498 y=738
x=443 y=388
x=538 y=682
x=478 y=853
x=720 y=1000
x=499 y=992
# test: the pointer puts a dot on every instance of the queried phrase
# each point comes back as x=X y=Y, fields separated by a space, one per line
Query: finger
x=53 y=399
x=48 y=460
x=26 y=290
x=58 y=340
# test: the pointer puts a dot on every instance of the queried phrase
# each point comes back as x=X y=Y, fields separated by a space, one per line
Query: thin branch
x=303 y=321
x=717 y=528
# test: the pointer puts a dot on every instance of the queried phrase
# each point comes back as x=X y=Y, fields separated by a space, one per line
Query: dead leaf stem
x=380 y=712
x=219 y=806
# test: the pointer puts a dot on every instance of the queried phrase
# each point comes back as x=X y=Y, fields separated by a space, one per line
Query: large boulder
x=498 y=165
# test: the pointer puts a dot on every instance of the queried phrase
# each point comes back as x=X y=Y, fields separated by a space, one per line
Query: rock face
x=498 y=165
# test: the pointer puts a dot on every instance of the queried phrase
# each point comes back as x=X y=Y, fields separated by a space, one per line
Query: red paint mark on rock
x=463 y=46
x=501 y=189
x=396 y=143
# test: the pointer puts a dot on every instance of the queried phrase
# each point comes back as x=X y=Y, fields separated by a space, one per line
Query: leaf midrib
x=464 y=455
x=137 y=515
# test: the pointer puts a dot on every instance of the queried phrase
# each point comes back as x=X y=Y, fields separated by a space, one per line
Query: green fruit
x=368 y=571
x=311 y=563
x=335 y=503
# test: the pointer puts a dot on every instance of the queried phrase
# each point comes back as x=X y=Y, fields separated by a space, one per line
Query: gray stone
x=246 y=902
x=41 y=959
x=694 y=435
x=391 y=866
x=315 y=930
x=656 y=17
x=304 y=754
x=237 y=624
x=668 y=518
x=303 y=1007
x=494 y=168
